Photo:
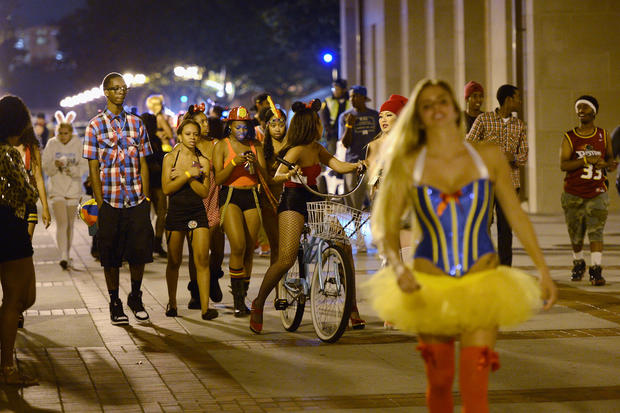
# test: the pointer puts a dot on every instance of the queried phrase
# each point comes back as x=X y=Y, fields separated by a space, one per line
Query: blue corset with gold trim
x=455 y=227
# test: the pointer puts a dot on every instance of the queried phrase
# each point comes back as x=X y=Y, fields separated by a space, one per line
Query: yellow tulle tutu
x=449 y=306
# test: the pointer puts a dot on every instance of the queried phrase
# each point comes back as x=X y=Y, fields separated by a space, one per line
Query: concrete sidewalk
x=566 y=360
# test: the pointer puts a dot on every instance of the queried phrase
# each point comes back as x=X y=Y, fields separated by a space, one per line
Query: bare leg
x=234 y=228
x=18 y=287
x=252 y=226
x=200 y=244
x=270 y=223
x=136 y=271
x=111 y=277
x=175 y=258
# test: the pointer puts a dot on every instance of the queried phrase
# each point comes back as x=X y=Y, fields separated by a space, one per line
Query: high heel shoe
x=357 y=323
x=255 y=326
x=11 y=376
x=171 y=311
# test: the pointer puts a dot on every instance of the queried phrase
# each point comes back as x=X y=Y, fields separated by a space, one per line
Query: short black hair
x=108 y=78
x=340 y=82
x=14 y=117
x=505 y=91
x=590 y=99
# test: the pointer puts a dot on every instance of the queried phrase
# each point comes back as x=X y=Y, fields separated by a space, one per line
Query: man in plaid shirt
x=116 y=146
x=509 y=133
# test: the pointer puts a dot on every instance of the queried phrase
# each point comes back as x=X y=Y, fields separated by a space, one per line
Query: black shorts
x=125 y=234
x=296 y=199
x=243 y=198
x=17 y=245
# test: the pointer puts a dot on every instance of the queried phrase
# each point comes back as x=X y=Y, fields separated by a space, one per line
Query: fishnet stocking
x=290 y=225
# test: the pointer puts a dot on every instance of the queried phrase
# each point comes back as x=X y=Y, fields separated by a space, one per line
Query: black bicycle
x=323 y=272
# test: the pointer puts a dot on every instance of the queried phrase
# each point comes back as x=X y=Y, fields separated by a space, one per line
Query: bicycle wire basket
x=333 y=221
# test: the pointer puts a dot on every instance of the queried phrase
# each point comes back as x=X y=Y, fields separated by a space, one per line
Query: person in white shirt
x=63 y=163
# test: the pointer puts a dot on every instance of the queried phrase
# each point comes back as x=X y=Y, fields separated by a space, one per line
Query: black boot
x=238 y=293
x=579 y=267
x=158 y=249
x=194 y=302
x=596 y=275
x=246 y=287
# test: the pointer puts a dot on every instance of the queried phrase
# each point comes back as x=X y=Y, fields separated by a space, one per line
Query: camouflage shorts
x=583 y=214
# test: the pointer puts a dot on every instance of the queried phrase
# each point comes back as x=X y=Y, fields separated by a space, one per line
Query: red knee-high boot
x=474 y=377
x=439 y=362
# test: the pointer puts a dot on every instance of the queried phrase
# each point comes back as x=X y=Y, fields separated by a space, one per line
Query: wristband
x=585 y=161
x=188 y=174
x=147 y=199
x=348 y=126
x=232 y=161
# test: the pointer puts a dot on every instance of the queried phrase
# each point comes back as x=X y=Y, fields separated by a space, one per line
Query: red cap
x=394 y=104
x=472 y=87
x=238 y=113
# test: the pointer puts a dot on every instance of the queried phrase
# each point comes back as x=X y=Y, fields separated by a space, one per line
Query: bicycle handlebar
x=309 y=189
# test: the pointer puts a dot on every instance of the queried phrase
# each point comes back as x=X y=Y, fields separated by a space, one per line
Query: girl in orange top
x=238 y=160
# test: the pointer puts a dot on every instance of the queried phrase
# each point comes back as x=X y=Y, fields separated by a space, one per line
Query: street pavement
x=565 y=360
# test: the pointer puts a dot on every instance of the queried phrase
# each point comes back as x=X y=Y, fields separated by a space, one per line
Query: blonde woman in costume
x=457 y=290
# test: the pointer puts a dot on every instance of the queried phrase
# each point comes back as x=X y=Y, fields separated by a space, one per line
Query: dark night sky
x=37 y=12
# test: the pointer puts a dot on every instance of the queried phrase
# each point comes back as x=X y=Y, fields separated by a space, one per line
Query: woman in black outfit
x=183 y=180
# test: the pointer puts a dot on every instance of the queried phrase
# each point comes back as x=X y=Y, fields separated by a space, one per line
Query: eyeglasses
x=117 y=89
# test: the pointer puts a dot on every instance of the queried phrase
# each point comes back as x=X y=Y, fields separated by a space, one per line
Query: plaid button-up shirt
x=510 y=136
x=118 y=142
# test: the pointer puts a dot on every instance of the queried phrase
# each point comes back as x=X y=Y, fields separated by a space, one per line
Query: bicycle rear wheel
x=291 y=294
x=331 y=305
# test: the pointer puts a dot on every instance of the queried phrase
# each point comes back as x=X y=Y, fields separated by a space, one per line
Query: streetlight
x=329 y=60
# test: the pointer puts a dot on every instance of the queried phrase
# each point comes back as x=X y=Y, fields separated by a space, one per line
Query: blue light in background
x=328 y=57
x=183 y=99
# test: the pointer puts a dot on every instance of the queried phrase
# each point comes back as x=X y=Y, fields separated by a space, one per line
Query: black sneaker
x=579 y=268
x=596 y=275
x=134 y=301
x=117 y=315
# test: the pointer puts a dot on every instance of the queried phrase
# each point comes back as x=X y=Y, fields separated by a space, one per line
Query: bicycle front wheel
x=291 y=295
x=331 y=294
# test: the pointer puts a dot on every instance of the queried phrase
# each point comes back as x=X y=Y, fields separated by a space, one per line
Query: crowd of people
x=208 y=178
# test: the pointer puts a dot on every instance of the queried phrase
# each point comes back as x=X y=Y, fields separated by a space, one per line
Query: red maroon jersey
x=586 y=182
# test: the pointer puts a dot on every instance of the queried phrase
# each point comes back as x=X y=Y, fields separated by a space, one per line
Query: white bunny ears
x=62 y=118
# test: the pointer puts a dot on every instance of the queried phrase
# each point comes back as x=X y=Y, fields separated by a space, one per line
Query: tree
x=263 y=44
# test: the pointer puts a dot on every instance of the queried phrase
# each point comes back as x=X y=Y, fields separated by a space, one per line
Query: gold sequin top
x=15 y=188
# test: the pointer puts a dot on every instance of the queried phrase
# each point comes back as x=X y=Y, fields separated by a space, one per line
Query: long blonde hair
x=407 y=136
